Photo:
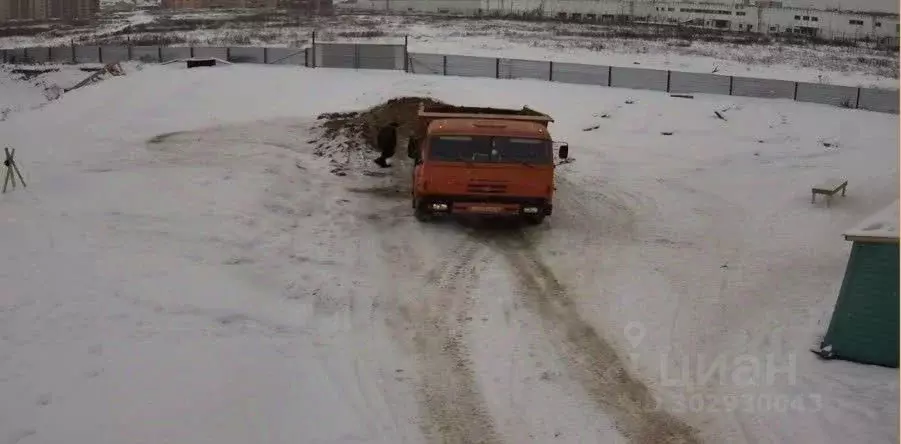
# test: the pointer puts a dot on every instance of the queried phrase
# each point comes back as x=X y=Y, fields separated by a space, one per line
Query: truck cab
x=483 y=162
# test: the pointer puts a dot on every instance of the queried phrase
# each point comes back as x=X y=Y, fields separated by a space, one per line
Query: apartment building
x=40 y=10
x=217 y=4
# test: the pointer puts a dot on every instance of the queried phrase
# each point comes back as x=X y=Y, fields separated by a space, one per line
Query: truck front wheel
x=421 y=212
x=535 y=219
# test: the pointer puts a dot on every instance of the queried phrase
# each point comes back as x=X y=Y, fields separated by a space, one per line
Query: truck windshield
x=492 y=149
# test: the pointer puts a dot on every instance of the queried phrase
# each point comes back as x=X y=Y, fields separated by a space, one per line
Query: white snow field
x=548 y=41
x=182 y=268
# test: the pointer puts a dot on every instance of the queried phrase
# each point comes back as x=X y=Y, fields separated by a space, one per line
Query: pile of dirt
x=346 y=135
x=364 y=125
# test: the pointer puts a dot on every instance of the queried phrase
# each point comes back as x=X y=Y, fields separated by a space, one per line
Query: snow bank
x=182 y=267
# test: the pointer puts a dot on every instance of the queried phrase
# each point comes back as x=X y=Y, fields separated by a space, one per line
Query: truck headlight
x=530 y=210
x=439 y=207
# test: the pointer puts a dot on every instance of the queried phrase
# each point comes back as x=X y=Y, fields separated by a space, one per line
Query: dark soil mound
x=364 y=125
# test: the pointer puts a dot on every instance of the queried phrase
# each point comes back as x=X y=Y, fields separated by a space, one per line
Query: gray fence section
x=427 y=64
x=639 y=78
x=835 y=95
x=287 y=56
x=878 y=100
x=62 y=54
x=87 y=54
x=147 y=54
x=469 y=66
x=581 y=74
x=247 y=55
x=693 y=82
x=524 y=69
x=170 y=53
x=395 y=57
x=205 y=52
x=111 y=54
x=766 y=88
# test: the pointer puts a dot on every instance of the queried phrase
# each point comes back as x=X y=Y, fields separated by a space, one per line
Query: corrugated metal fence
x=396 y=57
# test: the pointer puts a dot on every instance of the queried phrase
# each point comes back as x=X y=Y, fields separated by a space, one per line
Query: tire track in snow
x=450 y=396
x=593 y=361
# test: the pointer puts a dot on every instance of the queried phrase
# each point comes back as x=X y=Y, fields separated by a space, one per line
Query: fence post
x=356 y=56
x=497 y=67
x=129 y=49
x=306 y=57
x=609 y=76
x=550 y=72
x=406 y=54
x=24 y=55
x=731 y=81
x=857 y=100
x=159 y=53
x=266 y=56
x=669 y=75
x=74 y=59
x=313 y=49
x=191 y=51
x=49 y=54
x=445 y=65
x=100 y=53
x=795 y=98
x=228 y=54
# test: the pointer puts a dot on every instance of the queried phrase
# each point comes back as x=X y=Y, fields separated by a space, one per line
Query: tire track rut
x=449 y=391
x=592 y=360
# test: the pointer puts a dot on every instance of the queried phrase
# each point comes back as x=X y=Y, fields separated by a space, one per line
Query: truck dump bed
x=434 y=112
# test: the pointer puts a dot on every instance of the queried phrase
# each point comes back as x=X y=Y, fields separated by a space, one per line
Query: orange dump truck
x=484 y=162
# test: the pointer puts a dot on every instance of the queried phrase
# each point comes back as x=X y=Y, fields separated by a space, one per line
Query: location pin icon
x=634 y=332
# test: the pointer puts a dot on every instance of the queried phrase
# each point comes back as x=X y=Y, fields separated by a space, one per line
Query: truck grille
x=486 y=188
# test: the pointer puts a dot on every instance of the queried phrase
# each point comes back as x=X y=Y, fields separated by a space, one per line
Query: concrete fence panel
x=426 y=63
x=146 y=54
x=210 y=52
x=765 y=88
x=112 y=54
x=581 y=74
x=845 y=96
x=287 y=56
x=245 y=55
x=701 y=83
x=336 y=55
x=18 y=55
x=39 y=54
x=87 y=54
x=882 y=100
x=175 y=53
x=469 y=66
x=638 y=78
x=61 y=54
x=524 y=69
x=376 y=56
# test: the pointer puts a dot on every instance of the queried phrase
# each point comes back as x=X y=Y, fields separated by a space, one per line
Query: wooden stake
x=12 y=170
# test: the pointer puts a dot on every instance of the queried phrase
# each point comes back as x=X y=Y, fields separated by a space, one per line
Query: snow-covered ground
x=20 y=91
x=581 y=43
x=183 y=268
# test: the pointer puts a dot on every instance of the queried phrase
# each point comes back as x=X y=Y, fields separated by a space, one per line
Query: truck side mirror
x=564 y=151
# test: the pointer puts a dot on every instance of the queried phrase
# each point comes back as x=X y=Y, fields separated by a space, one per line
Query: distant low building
x=217 y=4
x=41 y=10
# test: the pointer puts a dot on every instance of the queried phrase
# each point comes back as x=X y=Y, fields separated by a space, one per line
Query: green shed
x=864 y=326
